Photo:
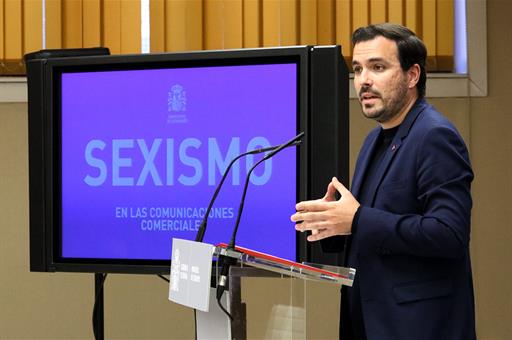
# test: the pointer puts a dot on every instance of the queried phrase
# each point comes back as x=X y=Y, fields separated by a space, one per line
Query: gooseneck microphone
x=226 y=261
x=291 y=142
x=202 y=227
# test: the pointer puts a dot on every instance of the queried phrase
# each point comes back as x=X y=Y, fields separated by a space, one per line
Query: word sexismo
x=177 y=156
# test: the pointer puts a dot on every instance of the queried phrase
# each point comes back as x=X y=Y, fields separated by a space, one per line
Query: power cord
x=221 y=291
x=163 y=277
x=224 y=309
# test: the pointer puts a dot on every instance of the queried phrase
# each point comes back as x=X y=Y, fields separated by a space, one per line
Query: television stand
x=98 y=320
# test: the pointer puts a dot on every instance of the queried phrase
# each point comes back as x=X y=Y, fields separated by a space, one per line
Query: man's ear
x=413 y=74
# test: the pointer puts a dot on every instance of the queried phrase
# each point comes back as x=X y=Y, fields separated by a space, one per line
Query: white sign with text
x=191 y=267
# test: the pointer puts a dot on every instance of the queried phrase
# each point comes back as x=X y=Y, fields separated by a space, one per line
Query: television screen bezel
x=55 y=67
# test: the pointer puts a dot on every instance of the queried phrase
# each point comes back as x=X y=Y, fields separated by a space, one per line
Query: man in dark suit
x=406 y=223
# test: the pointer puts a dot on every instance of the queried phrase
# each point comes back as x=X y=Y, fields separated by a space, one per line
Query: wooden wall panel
x=13 y=37
x=289 y=23
x=157 y=25
x=378 y=11
x=214 y=24
x=326 y=22
x=360 y=13
x=429 y=25
x=130 y=26
x=252 y=23
x=92 y=23
x=111 y=29
x=184 y=25
x=344 y=26
x=175 y=25
x=413 y=16
x=53 y=24
x=72 y=34
x=233 y=26
x=308 y=22
x=445 y=33
x=271 y=23
x=32 y=26
x=396 y=11
x=2 y=29
x=194 y=25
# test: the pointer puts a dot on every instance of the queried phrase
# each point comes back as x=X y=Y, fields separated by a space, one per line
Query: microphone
x=202 y=227
x=292 y=142
x=226 y=262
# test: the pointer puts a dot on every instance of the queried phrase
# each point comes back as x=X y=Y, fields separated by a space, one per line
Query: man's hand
x=327 y=216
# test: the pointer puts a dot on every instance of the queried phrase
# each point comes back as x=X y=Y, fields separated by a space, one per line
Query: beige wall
x=59 y=306
x=491 y=143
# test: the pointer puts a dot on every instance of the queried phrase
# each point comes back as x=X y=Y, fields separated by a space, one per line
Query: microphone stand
x=226 y=261
x=246 y=185
x=202 y=227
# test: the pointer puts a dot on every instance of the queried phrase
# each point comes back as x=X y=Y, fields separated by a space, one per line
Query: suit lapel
x=364 y=161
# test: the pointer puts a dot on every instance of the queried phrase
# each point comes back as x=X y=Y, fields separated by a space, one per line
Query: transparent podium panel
x=266 y=305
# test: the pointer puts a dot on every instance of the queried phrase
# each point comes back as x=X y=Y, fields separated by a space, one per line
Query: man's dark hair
x=411 y=49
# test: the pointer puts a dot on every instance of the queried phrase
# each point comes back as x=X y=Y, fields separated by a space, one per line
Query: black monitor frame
x=323 y=116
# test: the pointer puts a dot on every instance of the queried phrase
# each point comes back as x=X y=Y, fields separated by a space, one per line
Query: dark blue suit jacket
x=413 y=241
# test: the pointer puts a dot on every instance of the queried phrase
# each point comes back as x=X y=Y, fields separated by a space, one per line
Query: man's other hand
x=327 y=216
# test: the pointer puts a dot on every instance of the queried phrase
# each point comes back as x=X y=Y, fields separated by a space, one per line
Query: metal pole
x=98 y=295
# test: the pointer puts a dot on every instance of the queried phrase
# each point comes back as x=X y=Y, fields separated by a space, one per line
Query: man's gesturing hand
x=327 y=216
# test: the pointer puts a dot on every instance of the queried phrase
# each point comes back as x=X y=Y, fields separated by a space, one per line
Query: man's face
x=380 y=82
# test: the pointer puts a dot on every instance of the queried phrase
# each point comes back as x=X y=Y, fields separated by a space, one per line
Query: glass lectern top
x=308 y=271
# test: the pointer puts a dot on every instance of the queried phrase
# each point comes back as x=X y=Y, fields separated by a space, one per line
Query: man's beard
x=389 y=110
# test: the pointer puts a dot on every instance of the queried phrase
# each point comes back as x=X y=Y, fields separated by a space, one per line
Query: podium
x=280 y=312
x=268 y=297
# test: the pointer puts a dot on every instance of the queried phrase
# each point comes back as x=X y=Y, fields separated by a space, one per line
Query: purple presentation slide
x=143 y=151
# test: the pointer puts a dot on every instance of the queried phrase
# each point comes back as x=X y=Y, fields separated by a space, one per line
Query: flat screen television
x=126 y=151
